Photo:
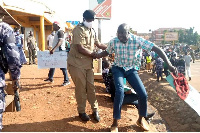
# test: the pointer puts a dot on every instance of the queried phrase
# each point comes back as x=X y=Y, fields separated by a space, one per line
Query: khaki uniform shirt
x=81 y=36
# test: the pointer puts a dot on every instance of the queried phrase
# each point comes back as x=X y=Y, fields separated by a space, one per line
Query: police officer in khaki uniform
x=80 y=65
x=31 y=47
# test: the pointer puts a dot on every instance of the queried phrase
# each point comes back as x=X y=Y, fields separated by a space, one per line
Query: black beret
x=89 y=14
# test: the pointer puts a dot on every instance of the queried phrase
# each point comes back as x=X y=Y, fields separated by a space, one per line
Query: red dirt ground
x=52 y=108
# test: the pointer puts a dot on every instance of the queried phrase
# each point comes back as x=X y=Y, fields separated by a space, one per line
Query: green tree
x=196 y=38
x=163 y=41
x=181 y=36
x=189 y=37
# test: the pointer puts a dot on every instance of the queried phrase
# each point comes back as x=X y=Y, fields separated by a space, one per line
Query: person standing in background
x=148 y=61
x=159 y=67
x=67 y=44
x=50 y=40
x=19 y=43
x=187 y=59
x=57 y=46
x=181 y=65
x=31 y=44
x=192 y=55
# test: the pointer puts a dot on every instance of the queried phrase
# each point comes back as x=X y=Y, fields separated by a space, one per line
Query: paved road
x=195 y=72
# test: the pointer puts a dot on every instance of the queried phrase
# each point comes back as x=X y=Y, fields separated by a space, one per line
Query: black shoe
x=149 y=115
x=49 y=80
x=65 y=83
x=96 y=116
x=190 y=78
x=84 y=117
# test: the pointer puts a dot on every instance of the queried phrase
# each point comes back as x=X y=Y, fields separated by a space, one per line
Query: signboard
x=102 y=8
x=193 y=98
x=55 y=60
x=75 y=23
x=171 y=36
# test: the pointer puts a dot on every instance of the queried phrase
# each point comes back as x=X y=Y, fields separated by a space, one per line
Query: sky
x=140 y=15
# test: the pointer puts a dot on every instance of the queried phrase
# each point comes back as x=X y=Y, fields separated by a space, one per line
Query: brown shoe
x=143 y=125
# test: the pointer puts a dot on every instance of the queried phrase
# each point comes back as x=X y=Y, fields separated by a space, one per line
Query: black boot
x=96 y=116
x=34 y=61
x=84 y=117
x=158 y=79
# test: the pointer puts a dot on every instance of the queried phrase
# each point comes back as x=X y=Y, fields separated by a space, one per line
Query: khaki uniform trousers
x=84 y=87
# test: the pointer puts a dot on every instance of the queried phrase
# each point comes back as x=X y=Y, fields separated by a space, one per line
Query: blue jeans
x=64 y=70
x=131 y=99
x=134 y=80
x=159 y=74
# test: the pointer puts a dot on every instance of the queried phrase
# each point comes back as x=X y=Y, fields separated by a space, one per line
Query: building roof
x=7 y=17
x=29 y=13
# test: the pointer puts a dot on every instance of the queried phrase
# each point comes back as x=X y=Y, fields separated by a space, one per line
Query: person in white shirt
x=188 y=59
x=50 y=40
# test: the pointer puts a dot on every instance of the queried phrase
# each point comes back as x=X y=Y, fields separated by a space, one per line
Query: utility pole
x=99 y=37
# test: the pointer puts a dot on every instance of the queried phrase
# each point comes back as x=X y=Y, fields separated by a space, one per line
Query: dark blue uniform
x=7 y=43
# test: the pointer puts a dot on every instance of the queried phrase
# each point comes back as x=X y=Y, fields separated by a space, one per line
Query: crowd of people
x=127 y=54
x=181 y=60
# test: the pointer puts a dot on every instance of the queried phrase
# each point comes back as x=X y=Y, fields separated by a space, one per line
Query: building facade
x=31 y=15
x=157 y=36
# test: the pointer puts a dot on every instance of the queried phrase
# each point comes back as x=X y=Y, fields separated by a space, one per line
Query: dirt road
x=52 y=107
